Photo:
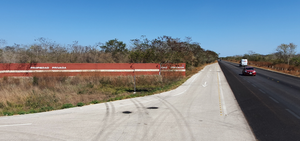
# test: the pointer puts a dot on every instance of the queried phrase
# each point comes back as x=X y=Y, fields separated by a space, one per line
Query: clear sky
x=228 y=27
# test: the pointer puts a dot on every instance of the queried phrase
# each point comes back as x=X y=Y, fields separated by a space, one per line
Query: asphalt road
x=270 y=102
x=203 y=108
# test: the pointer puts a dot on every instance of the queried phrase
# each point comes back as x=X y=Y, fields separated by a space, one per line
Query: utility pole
x=134 y=82
x=134 y=79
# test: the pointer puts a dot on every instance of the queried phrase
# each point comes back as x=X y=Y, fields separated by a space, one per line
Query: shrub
x=35 y=81
x=6 y=113
x=68 y=105
x=90 y=85
x=9 y=104
x=38 y=100
x=80 y=104
x=81 y=92
x=44 y=109
x=32 y=111
x=95 y=101
x=22 y=112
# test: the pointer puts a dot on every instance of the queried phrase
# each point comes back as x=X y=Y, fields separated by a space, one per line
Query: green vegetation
x=68 y=105
x=95 y=102
x=80 y=104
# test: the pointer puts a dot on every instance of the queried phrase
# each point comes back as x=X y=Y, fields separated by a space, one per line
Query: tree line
x=285 y=54
x=164 y=49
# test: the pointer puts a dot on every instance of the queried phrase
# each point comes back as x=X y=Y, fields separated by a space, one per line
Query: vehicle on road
x=249 y=71
x=243 y=62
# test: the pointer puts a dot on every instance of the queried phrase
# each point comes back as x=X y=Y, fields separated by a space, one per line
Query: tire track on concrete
x=161 y=117
x=110 y=122
x=179 y=118
x=140 y=112
x=114 y=124
x=182 y=135
x=149 y=125
x=104 y=121
x=141 y=117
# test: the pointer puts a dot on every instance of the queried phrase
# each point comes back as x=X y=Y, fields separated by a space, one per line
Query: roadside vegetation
x=283 y=60
x=46 y=93
x=163 y=49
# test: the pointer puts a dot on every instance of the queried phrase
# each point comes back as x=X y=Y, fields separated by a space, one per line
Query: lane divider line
x=219 y=94
x=274 y=99
x=293 y=113
x=221 y=98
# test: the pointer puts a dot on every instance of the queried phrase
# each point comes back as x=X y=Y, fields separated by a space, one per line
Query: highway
x=203 y=108
x=270 y=101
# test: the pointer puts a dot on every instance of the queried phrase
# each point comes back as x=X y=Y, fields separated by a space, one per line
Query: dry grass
x=36 y=93
x=52 y=91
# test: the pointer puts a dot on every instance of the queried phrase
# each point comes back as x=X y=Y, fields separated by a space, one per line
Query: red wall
x=72 y=69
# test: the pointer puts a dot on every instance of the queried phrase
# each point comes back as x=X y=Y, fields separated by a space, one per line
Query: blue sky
x=228 y=27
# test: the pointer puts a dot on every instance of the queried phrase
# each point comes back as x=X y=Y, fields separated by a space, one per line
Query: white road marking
x=262 y=91
x=293 y=113
x=274 y=99
x=15 y=125
x=204 y=85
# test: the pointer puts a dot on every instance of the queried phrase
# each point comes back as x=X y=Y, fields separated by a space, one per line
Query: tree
x=166 y=49
x=114 y=46
x=286 y=51
x=295 y=60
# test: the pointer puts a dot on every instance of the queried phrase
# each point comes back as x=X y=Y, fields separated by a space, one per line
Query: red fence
x=72 y=69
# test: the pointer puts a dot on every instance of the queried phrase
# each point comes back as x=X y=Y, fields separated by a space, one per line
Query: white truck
x=243 y=62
